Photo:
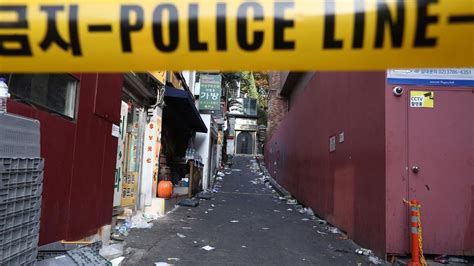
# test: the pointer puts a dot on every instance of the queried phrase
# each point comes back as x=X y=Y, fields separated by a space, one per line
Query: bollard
x=414 y=233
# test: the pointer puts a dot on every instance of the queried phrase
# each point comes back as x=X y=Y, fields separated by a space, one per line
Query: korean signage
x=120 y=154
x=78 y=36
x=422 y=99
x=129 y=189
x=210 y=92
x=450 y=77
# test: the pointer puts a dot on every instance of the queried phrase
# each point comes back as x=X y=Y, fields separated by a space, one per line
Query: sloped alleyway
x=247 y=224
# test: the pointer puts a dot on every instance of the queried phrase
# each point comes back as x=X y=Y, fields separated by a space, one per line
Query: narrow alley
x=247 y=224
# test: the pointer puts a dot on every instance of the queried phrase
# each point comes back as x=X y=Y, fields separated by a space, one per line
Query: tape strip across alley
x=119 y=35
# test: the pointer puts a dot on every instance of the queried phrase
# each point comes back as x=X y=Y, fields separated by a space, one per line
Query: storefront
x=179 y=160
x=137 y=97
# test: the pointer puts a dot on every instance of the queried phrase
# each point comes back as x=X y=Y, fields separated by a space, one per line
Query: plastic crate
x=19 y=178
x=21 y=191
x=21 y=164
x=87 y=256
x=19 y=136
x=27 y=257
x=20 y=218
x=15 y=206
x=12 y=249
x=19 y=232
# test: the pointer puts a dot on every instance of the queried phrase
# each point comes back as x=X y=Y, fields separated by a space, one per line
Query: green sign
x=210 y=92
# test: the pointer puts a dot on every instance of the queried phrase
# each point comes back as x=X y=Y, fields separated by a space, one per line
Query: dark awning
x=180 y=111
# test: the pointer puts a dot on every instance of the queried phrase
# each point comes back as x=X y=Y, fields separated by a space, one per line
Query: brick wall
x=277 y=105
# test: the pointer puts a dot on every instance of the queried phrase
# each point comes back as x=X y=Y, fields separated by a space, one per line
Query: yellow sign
x=120 y=35
x=129 y=189
x=422 y=99
x=159 y=75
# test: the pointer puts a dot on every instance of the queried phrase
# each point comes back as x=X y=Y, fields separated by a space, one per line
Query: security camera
x=398 y=91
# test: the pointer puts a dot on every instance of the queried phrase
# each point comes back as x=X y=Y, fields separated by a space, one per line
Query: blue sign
x=450 y=77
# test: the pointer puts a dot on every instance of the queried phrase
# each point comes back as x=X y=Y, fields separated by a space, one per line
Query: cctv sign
x=120 y=35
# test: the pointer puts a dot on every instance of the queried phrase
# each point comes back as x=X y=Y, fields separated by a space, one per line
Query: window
x=250 y=106
x=55 y=92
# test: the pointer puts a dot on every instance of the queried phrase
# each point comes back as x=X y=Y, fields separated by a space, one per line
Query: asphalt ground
x=247 y=224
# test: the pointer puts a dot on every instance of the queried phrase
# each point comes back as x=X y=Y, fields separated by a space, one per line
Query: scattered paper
x=161 y=264
x=321 y=233
x=244 y=246
x=291 y=202
x=334 y=230
x=265 y=228
x=180 y=235
x=375 y=260
x=173 y=259
x=208 y=248
x=234 y=221
x=276 y=211
x=305 y=219
x=117 y=261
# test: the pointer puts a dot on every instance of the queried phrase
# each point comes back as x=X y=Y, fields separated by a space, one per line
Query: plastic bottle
x=3 y=95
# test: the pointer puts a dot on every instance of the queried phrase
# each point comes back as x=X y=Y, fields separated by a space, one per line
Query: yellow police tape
x=119 y=35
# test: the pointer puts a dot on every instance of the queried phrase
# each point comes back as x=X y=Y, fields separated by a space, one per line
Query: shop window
x=55 y=92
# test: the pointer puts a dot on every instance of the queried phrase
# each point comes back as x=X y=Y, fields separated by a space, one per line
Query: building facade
x=77 y=113
x=354 y=145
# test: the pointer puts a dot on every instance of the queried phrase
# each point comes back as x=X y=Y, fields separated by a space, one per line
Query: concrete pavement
x=247 y=224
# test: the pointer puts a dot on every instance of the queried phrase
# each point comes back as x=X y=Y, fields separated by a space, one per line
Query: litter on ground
x=375 y=260
x=334 y=230
x=364 y=251
x=117 y=261
x=208 y=248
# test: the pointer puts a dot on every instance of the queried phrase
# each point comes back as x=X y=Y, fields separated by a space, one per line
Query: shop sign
x=129 y=189
x=120 y=155
x=210 y=92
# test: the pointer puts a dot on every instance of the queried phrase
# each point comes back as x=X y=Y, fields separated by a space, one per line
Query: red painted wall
x=346 y=186
x=451 y=192
x=79 y=159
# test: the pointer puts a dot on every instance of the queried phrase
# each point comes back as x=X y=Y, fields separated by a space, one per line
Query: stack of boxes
x=21 y=185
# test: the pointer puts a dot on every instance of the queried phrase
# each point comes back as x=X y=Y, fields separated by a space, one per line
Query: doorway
x=440 y=165
x=244 y=143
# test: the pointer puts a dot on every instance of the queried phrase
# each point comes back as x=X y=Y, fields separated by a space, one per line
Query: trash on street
x=208 y=248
